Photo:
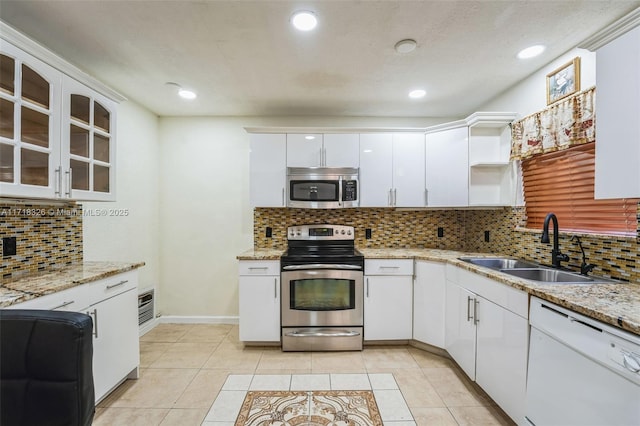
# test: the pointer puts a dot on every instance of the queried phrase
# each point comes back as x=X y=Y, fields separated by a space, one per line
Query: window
x=562 y=182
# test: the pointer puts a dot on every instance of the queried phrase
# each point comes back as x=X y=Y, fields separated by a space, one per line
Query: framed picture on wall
x=563 y=81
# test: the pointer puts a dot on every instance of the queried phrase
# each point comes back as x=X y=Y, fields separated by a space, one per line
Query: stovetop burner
x=331 y=244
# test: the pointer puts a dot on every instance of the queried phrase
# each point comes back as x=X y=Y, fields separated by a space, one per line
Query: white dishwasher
x=581 y=371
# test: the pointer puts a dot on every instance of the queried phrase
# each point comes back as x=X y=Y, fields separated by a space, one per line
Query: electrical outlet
x=9 y=246
x=440 y=232
x=486 y=236
x=269 y=232
x=367 y=233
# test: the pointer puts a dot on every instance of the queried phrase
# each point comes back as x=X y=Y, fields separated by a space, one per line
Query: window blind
x=562 y=182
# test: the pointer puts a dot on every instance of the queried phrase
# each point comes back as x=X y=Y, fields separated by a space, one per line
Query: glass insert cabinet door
x=88 y=138
x=29 y=125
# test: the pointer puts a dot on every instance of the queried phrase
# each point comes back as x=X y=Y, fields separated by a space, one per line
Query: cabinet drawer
x=388 y=267
x=111 y=286
x=72 y=299
x=259 y=267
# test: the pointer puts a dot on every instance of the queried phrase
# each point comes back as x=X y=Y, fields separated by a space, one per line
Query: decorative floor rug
x=309 y=408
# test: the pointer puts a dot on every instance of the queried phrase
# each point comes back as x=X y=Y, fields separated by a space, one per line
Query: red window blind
x=562 y=182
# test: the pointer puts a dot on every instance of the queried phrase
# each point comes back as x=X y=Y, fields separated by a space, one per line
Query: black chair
x=46 y=374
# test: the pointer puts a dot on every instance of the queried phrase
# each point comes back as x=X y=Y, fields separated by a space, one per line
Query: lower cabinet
x=428 y=303
x=115 y=340
x=487 y=334
x=388 y=313
x=113 y=305
x=259 y=310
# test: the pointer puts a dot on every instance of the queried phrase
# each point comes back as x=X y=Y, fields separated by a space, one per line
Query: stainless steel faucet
x=556 y=255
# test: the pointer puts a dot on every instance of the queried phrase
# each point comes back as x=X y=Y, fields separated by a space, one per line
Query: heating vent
x=145 y=306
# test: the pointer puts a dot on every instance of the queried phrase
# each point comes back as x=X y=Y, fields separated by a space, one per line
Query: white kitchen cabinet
x=408 y=170
x=30 y=148
x=259 y=288
x=487 y=334
x=388 y=298
x=617 y=174
x=88 y=161
x=492 y=176
x=376 y=169
x=268 y=169
x=113 y=305
x=428 y=303
x=460 y=334
x=115 y=342
x=57 y=140
x=447 y=167
x=322 y=150
x=392 y=170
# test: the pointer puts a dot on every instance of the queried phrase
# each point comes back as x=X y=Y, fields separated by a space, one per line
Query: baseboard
x=179 y=319
x=147 y=326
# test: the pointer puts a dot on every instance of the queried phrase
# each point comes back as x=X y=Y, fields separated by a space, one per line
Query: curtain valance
x=566 y=123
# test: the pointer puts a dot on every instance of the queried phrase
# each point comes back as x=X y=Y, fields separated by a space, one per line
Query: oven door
x=317 y=297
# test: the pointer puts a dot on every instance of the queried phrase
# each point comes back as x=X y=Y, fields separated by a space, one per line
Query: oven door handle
x=323 y=333
x=320 y=266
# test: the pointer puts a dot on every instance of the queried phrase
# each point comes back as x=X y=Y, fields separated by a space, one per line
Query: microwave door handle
x=340 y=195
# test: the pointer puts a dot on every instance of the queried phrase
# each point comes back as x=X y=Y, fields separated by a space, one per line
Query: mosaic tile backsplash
x=466 y=230
x=48 y=237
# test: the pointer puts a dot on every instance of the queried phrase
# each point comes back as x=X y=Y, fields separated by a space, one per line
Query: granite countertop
x=615 y=303
x=40 y=284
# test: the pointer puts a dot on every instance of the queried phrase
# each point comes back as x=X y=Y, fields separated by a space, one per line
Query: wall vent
x=146 y=302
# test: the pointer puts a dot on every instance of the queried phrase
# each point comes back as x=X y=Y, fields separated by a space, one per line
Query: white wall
x=529 y=95
x=134 y=237
x=205 y=217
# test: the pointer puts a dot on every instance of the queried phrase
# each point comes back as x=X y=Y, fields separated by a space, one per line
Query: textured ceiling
x=243 y=57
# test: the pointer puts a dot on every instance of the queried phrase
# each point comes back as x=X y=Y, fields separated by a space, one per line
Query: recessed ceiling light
x=304 y=20
x=531 y=52
x=405 y=46
x=186 y=94
x=417 y=94
x=309 y=137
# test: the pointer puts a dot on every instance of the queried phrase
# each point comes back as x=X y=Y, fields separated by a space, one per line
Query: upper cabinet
x=88 y=143
x=392 y=170
x=29 y=126
x=322 y=150
x=492 y=176
x=618 y=128
x=268 y=169
x=57 y=136
x=447 y=167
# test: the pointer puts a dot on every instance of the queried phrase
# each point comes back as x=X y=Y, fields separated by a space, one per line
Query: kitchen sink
x=547 y=275
x=499 y=262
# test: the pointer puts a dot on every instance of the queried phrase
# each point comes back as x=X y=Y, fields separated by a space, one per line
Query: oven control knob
x=349 y=232
x=342 y=232
x=298 y=233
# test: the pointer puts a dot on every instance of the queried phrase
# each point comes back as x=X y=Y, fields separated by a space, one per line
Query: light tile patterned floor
x=392 y=406
x=185 y=366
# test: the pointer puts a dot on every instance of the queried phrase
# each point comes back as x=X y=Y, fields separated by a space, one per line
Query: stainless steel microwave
x=322 y=187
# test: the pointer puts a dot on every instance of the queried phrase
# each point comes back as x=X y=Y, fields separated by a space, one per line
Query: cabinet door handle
x=469 y=317
x=62 y=305
x=58 y=181
x=367 y=287
x=395 y=197
x=110 y=286
x=94 y=313
x=275 y=288
x=69 y=174
x=390 y=198
x=426 y=197
x=283 y=197
x=476 y=319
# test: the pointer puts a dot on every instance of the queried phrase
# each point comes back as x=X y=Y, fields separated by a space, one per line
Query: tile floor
x=185 y=366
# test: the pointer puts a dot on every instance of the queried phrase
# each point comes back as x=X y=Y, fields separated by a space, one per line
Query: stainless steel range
x=322 y=289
